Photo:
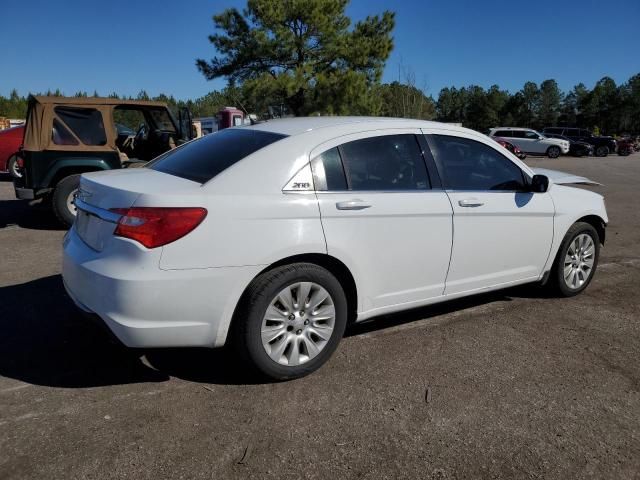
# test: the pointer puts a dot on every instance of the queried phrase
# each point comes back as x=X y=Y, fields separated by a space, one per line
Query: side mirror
x=539 y=183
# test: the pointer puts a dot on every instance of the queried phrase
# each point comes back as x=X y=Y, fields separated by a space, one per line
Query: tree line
x=608 y=108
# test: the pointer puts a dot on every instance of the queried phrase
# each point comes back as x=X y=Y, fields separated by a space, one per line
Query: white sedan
x=274 y=237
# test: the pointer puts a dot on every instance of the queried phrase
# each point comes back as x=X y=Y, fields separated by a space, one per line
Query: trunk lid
x=99 y=192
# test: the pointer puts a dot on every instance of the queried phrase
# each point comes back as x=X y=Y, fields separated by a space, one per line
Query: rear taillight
x=157 y=226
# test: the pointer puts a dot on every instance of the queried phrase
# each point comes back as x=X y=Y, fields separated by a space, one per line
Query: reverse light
x=157 y=226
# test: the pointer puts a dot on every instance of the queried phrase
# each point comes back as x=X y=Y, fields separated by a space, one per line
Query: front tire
x=62 y=199
x=553 y=152
x=576 y=261
x=290 y=321
x=602 y=151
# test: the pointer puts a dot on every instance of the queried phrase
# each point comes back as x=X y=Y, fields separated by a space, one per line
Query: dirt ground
x=505 y=385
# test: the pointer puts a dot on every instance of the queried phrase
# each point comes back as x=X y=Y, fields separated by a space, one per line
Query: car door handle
x=470 y=202
x=352 y=205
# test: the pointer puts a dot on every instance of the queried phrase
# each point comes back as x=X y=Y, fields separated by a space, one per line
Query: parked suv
x=603 y=145
x=65 y=137
x=532 y=142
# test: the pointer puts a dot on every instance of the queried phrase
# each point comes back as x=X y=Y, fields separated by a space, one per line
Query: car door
x=384 y=217
x=502 y=232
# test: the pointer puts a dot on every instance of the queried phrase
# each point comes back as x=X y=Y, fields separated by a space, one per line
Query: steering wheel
x=141 y=134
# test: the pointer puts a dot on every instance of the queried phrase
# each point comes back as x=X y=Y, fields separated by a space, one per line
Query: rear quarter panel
x=250 y=221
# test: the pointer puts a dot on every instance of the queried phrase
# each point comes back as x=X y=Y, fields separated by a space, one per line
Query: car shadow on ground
x=46 y=341
x=33 y=217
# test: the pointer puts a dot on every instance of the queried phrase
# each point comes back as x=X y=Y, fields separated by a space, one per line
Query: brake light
x=157 y=226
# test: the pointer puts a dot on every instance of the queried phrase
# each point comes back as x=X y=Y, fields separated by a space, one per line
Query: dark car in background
x=10 y=141
x=576 y=147
x=603 y=145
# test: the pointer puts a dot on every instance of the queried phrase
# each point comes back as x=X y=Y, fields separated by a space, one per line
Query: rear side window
x=328 y=173
x=518 y=134
x=60 y=135
x=85 y=123
x=465 y=164
x=390 y=162
x=203 y=159
x=502 y=133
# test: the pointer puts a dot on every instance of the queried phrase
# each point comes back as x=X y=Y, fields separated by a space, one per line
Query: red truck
x=10 y=141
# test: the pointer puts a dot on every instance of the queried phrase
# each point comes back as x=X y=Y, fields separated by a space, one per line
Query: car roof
x=300 y=125
x=511 y=128
x=47 y=100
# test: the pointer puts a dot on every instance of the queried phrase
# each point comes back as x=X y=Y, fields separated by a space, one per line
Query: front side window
x=162 y=120
x=466 y=164
x=390 y=162
x=85 y=123
x=204 y=158
x=531 y=135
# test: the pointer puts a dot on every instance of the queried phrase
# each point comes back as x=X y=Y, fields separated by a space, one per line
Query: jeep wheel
x=553 y=152
x=12 y=167
x=62 y=200
x=602 y=151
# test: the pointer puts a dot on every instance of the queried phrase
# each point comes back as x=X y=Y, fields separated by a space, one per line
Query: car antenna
x=251 y=120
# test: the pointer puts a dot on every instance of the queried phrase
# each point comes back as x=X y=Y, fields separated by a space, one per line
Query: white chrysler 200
x=275 y=236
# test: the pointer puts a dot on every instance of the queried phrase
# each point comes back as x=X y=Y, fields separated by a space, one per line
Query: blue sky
x=125 y=46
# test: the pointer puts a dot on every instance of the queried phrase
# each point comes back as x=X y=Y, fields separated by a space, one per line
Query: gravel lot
x=510 y=384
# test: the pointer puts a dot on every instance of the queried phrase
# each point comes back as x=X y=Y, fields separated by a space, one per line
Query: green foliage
x=613 y=109
x=405 y=101
x=301 y=53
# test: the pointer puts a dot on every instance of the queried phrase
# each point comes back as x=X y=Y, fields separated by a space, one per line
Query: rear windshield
x=203 y=159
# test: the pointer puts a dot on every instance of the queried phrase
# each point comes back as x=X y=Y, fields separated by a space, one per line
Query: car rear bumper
x=147 y=307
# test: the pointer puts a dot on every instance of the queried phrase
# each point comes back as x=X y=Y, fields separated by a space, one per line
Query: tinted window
x=531 y=135
x=328 y=173
x=585 y=133
x=469 y=165
x=502 y=133
x=391 y=162
x=60 y=135
x=572 y=132
x=519 y=134
x=85 y=123
x=203 y=159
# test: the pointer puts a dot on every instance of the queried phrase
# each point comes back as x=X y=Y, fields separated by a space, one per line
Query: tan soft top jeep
x=65 y=137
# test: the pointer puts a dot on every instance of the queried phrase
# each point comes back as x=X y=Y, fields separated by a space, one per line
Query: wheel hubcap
x=579 y=260
x=71 y=205
x=298 y=323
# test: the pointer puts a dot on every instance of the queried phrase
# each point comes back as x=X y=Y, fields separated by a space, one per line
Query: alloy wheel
x=579 y=260
x=298 y=323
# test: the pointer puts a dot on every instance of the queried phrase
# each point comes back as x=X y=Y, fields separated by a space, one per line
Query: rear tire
x=577 y=260
x=602 y=151
x=553 y=152
x=299 y=339
x=12 y=167
x=62 y=199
